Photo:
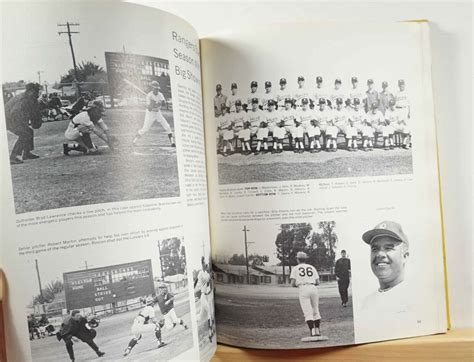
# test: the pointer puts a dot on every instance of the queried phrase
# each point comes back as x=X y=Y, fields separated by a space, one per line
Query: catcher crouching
x=83 y=125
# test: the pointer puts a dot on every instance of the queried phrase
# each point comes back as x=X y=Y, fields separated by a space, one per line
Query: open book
x=269 y=188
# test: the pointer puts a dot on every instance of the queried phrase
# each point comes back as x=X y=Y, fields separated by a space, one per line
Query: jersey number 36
x=306 y=272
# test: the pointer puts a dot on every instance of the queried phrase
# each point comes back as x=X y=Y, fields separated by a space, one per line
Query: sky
x=31 y=43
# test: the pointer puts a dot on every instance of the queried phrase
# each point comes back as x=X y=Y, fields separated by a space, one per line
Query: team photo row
x=312 y=119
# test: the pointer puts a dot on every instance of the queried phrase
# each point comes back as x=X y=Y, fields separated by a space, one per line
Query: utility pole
x=85 y=264
x=245 y=230
x=39 y=280
x=39 y=76
x=69 y=33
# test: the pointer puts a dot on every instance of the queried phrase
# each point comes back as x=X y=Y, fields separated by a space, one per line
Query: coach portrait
x=22 y=115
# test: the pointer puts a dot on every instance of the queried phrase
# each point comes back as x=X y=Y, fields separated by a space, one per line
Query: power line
x=245 y=230
x=69 y=33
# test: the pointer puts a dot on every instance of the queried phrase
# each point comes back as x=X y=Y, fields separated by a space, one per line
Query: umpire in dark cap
x=22 y=115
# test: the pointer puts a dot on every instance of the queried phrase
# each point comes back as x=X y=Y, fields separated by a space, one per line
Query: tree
x=254 y=259
x=172 y=257
x=49 y=292
x=88 y=71
x=291 y=239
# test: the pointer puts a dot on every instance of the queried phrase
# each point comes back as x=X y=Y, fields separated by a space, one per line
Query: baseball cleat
x=161 y=344
x=317 y=332
x=100 y=353
x=29 y=156
x=127 y=351
x=173 y=144
x=65 y=149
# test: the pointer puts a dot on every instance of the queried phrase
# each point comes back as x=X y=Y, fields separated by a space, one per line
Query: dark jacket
x=23 y=109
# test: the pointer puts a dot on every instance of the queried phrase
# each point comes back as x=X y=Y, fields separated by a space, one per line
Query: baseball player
x=356 y=91
x=385 y=97
x=351 y=136
x=282 y=94
x=305 y=277
x=298 y=133
x=165 y=301
x=314 y=133
x=376 y=120
x=234 y=97
x=400 y=125
x=387 y=134
x=204 y=285
x=357 y=114
x=402 y=103
x=331 y=136
x=278 y=137
x=367 y=136
x=219 y=100
x=244 y=138
x=321 y=92
x=340 y=115
x=253 y=95
x=145 y=322
x=262 y=136
x=268 y=95
x=300 y=93
x=272 y=118
x=288 y=115
x=337 y=92
x=255 y=116
x=226 y=126
x=154 y=101
x=371 y=96
x=238 y=119
x=82 y=126
x=323 y=115
x=343 y=275
x=305 y=114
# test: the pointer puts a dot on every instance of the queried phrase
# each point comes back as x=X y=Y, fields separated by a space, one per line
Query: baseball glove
x=94 y=322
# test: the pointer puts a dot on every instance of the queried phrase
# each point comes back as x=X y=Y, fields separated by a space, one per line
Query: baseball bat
x=134 y=86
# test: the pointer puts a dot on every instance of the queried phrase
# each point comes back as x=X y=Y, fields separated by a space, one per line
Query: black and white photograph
x=314 y=127
x=204 y=289
x=88 y=108
x=284 y=286
x=137 y=310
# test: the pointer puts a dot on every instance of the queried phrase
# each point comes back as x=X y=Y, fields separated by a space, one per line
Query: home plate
x=314 y=339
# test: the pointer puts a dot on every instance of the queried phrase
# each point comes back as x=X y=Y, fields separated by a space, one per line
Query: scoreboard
x=106 y=285
x=141 y=70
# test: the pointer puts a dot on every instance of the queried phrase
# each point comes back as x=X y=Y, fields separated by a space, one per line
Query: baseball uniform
x=306 y=276
x=153 y=102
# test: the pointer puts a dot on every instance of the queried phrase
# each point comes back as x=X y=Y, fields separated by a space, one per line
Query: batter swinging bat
x=134 y=86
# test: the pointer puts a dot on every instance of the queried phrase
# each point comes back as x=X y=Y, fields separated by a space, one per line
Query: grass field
x=289 y=166
x=146 y=171
x=113 y=336
x=271 y=317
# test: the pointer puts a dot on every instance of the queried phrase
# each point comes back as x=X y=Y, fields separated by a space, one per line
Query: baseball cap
x=233 y=86
x=301 y=255
x=319 y=79
x=282 y=81
x=94 y=104
x=354 y=79
x=238 y=102
x=401 y=81
x=370 y=81
x=374 y=105
x=218 y=87
x=155 y=84
x=288 y=100
x=322 y=101
x=253 y=84
x=384 y=84
x=254 y=100
x=300 y=78
x=356 y=101
x=271 y=102
x=268 y=84
x=385 y=228
x=338 y=81
x=305 y=101
x=162 y=285
x=339 y=100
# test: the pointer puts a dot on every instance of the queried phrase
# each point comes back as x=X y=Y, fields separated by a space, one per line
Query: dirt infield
x=113 y=336
x=146 y=171
x=287 y=166
x=278 y=322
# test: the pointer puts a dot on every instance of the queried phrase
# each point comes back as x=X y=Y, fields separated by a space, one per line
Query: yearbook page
x=323 y=184
x=105 y=242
